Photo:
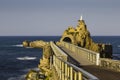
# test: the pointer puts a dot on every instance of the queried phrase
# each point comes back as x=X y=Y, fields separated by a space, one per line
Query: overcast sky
x=52 y=17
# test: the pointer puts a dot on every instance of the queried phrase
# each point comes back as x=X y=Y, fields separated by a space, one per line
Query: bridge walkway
x=102 y=74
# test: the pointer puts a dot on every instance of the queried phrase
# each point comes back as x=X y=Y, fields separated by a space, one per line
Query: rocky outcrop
x=38 y=44
x=25 y=43
x=35 y=44
x=80 y=36
x=45 y=61
x=44 y=66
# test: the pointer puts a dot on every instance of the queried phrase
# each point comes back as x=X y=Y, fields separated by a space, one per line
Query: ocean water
x=13 y=66
x=113 y=40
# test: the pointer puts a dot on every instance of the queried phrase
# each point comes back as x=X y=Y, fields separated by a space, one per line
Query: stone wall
x=110 y=64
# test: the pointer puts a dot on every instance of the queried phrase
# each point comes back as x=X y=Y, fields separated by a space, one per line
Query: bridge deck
x=102 y=74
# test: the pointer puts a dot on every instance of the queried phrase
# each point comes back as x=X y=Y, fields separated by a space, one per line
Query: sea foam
x=26 y=58
x=26 y=70
x=18 y=45
x=118 y=46
x=22 y=77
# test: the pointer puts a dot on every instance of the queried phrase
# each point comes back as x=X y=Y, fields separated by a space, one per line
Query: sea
x=16 y=60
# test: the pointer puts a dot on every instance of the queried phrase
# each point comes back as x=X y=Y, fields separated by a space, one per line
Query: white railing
x=66 y=70
x=58 y=51
x=88 y=54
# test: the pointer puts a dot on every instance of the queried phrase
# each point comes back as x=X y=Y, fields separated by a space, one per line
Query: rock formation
x=80 y=36
x=35 y=44
x=45 y=61
x=25 y=43
x=44 y=65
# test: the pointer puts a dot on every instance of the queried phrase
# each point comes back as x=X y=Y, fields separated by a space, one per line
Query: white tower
x=81 y=18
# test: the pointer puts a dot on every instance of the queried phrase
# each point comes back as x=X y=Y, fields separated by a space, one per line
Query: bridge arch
x=68 y=38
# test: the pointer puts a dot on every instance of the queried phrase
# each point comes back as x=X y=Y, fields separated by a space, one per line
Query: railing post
x=66 y=77
x=60 y=69
x=53 y=60
x=68 y=72
x=97 y=59
x=88 y=56
x=71 y=73
x=63 y=70
x=50 y=62
x=92 y=58
x=58 y=66
x=75 y=75
x=79 y=76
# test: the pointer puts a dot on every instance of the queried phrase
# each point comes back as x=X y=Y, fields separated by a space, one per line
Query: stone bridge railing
x=66 y=70
x=88 y=54
x=110 y=64
x=58 y=52
x=94 y=57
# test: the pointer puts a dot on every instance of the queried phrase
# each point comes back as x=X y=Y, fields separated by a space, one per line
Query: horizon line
x=48 y=35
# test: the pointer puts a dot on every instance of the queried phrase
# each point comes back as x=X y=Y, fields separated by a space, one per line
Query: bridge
x=75 y=63
x=75 y=57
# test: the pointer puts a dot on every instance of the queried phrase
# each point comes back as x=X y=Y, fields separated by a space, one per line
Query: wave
x=22 y=77
x=118 y=46
x=26 y=70
x=116 y=56
x=26 y=58
x=28 y=47
x=18 y=45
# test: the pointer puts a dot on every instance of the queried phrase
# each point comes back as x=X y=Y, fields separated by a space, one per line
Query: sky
x=52 y=17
